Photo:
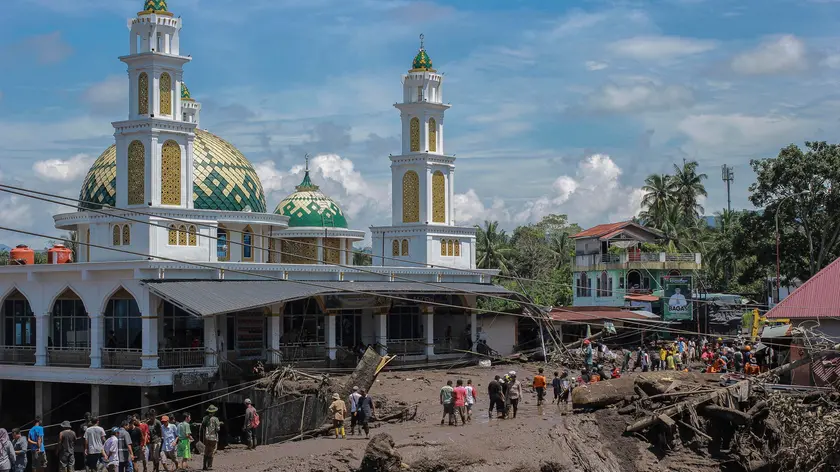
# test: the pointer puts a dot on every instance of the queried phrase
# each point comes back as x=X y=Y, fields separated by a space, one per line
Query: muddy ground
x=550 y=437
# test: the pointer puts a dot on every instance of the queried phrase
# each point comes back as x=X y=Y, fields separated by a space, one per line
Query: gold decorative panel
x=415 y=134
x=272 y=251
x=451 y=249
x=300 y=250
x=173 y=236
x=182 y=235
x=404 y=247
x=332 y=250
x=457 y=248
x=442 y=247
x=432 y=135
x=411 y=197
x=143 y=94
x=193 y=236
x=438 y=197
x=170 y=174
x=136 y=173
x=126 y=235
x=117 y=234
x=165 y=94
x=395 y=248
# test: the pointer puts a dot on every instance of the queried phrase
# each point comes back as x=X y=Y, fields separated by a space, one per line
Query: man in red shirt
x=144 y=439
x=460 y=396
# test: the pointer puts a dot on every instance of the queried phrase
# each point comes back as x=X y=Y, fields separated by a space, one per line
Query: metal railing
x=118 y=358
x=683 y=257
x=177 y=358
x=649 y=257
x=22 y=355
x=610 y=258
x=299 y=352
x=406 y=347
x=68 y=356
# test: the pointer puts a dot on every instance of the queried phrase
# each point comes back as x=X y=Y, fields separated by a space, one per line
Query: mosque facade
x=185 y=278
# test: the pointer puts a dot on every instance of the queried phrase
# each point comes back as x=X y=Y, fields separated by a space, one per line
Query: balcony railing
x=588 y=260
x=68 y=356
x=450 y=345
x=117 y=358
x=407 y=347
x=24 y=355
x=178 y=358
x=299 y=352
x=610 y=258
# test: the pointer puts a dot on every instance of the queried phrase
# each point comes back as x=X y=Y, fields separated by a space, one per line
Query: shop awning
x=216 y=297
x=642 y=298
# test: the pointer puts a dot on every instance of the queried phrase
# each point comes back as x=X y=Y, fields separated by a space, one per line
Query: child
x=557 y=384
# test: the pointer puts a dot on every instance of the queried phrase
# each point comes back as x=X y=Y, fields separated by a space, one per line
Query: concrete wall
x=501 y=332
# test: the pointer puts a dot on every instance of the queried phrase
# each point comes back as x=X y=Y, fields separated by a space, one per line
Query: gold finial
x=421 y=41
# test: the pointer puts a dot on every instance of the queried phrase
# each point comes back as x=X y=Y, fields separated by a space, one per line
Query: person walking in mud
x=339 y=411
x=459 y=400
x=252 y=421
x=209 y=434
x=366 y=411
x=447 y=394
x=539 y=386
x=471 y=397
x=514 y=394
x=496 y=396
x=353 y=400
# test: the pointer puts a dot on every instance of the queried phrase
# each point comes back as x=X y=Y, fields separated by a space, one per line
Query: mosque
x=184 y=278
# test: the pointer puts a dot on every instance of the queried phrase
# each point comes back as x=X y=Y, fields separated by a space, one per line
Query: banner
x=678 y=304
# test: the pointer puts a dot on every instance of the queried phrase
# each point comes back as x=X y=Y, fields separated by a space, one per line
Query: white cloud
x=832 y=61
x=63 y=170
x=595 y=65
x=716 y=129
x=17 y=213
x=640 y=96
x=109 y=95
x=648 y=48
x=780 y=55
x=48 y=48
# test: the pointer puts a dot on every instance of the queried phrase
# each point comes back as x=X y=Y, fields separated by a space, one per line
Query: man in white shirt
x=353 y=401
x=94 y=444
x=111 y=451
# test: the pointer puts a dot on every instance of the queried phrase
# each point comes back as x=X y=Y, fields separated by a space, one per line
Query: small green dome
x=309 y=207
x=223 y=179
x=155 y=5
x=185 y=92
x=422 y=61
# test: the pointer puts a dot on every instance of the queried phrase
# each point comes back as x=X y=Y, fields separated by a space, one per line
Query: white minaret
x=422 y=181
x=154 y=146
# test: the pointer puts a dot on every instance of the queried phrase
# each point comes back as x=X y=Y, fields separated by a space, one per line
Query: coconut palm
x=686 y=186
x=657 y=198
x=562 y=248
x=492 y=248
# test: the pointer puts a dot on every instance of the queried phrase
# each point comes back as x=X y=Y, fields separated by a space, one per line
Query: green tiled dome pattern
x=422 y=61
x=154 y=5
x=185 y=92
x=223 y=179
x=309 y=207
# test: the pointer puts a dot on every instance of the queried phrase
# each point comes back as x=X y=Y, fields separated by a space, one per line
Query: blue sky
x=558 y=107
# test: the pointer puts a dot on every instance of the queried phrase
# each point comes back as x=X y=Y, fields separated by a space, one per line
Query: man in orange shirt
x=539 y=386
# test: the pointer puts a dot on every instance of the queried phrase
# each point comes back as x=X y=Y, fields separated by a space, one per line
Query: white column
x=97 y=326
x=43 y=400
x=275 y=330
x=320 y=256
x=149 y=357
x=96 y=400
x=429 y=322
x=210 y=354
x=343 y=254
x=42 y=323
x=331 y=347
x=381 y=330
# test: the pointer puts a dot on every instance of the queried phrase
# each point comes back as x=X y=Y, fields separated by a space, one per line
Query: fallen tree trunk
x=697 y=402
x=733 y=416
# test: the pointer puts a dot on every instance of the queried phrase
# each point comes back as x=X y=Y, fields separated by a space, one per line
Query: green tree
x=687 y=187
x=492 y=247
x=362 y=258
x=658 y=198
x=802 y=189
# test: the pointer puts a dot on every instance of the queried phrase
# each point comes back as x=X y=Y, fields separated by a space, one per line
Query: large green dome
x=223 y=179
x=309 y=207
x=422 y=61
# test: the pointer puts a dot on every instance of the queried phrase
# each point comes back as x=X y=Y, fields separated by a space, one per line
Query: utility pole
x=728 y=176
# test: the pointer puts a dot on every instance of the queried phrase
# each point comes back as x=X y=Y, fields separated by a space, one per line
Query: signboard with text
x=678 y=306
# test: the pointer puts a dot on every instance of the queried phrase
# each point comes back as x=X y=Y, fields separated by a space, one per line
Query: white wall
x=501 y=332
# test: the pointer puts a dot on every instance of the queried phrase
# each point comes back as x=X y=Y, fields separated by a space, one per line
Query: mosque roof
x=309 y=207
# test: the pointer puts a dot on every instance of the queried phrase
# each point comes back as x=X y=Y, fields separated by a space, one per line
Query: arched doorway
x=68 y=341
x=123 y=331
x=634 y=280
x=18 y=330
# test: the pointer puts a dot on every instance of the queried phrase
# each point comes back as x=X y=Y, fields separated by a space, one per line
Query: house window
x=606 y=284
x=248 y=244
x=222 y=244
x=583 y=285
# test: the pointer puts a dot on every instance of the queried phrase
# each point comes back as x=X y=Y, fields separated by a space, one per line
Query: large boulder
x=381 y=455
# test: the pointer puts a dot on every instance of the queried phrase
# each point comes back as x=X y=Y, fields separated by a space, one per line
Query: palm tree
x=492 y=248
x=562 y=248
x=687 y=187
x=681 y=235
x=657 y=198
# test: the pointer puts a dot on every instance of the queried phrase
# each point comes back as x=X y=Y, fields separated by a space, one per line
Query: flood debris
x=381 y=455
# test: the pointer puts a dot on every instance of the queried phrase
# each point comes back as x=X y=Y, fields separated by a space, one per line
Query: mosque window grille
x=126 y=235
x=170 y=176
x=438 y=197
x=182 y=235
x=415 y=134
x=451 y=247
x=432 y=135
x=165 y=94
x=172 y=236
x=193 y=236
x=395 y=248
x=143 y=94
x=457 y=248
x=117 y=236
x=411 y=197
x=404 y=247
x=136 y=173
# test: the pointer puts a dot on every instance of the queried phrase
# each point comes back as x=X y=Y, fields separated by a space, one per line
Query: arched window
x=182 y=235
x=248 y=244
x=222 y=244
x=173 y=236
x=115 y=241
x=404 y=247
x=605 y=285
x=411 y=197
x=395 y=248
x=457 y=248
x=126 y=235
x=597 y=287
x=170 y=174
x=415 y=134
x=451 y=249
x=438 y=197
x=136 y=173
x=165 y=94
x=19 y=320
x=143 y=94
x=193 y=236
x=69 y=323
x=123 y=322
x=582 y=285
x=432 y=135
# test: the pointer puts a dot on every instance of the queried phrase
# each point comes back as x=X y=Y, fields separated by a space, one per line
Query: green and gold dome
x=421 y=61
x=223 y=179
x=309 y=207
x=154 y=6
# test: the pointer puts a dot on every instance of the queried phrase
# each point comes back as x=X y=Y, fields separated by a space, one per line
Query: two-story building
x=615 y=265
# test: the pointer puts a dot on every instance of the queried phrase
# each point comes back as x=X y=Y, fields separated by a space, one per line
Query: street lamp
x=781 y=202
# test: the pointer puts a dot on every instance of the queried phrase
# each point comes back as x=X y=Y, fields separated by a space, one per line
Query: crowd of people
x=151 y=443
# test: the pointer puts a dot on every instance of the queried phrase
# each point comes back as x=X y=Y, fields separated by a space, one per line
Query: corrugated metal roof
x=600 y=230
x=819 y=297
x=215 y=297
x=782 y=331
x=596 y=315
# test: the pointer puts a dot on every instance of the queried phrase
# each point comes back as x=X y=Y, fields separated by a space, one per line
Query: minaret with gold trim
x=154 y=145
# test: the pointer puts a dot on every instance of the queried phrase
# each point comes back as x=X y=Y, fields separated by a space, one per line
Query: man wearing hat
x=339 y=411
x=209 y=434
x=66 y=448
